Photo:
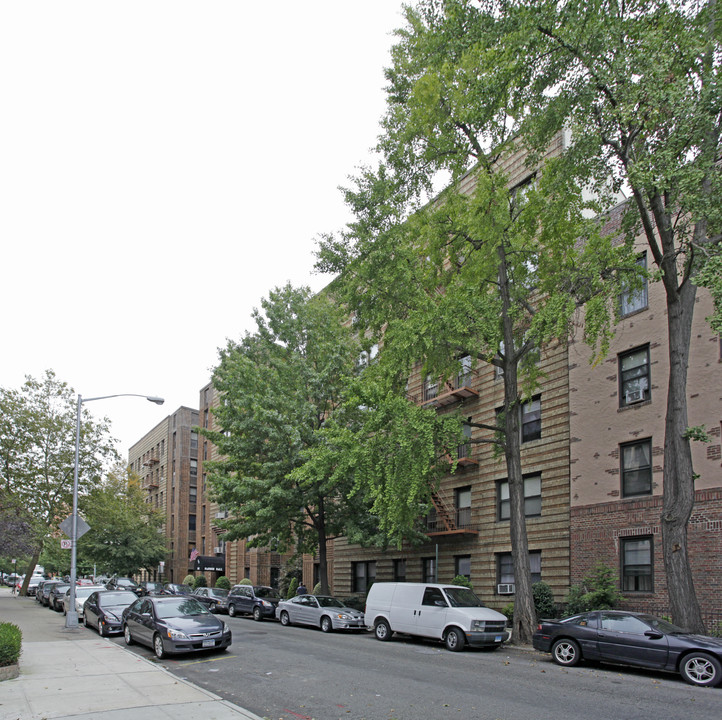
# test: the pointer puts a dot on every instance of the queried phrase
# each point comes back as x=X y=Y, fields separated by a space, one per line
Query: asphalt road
x=301 y=673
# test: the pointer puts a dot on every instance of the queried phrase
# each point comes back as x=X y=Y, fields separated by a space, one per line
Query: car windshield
x=324 y=601
x=462 y=597
x=153 y=586
x=60 y=588
x=661 y=625
x=84 y=591
x=183 y=588
x=266 y=592
x=180 y=607
x=110 y=599
x=218 y=593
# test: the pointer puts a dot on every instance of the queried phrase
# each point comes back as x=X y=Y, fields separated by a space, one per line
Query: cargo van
x=450 y=613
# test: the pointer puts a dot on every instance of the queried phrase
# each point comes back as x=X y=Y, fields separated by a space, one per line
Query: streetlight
x=71 y=619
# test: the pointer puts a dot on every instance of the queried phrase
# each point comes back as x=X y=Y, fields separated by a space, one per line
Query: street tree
x=280 y=386
x=484 y=270
x=125 y=533
x=636 y=84
x=37 y=453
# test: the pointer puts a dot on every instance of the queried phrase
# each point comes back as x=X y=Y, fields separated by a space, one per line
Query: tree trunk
x=322 y=557
x=29 y=573
x=678 y=493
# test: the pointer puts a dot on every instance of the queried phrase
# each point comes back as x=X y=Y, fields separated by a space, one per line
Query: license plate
x=497 y=638
x=209 y=643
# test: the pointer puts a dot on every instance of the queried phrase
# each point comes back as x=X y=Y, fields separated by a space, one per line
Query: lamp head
x=156 y=400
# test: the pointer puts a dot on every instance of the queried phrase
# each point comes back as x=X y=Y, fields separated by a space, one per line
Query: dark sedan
x=150 y=588
x=57 y=593
x=632 y=639
x=215 y=599
x=174 y=625
x=177 y=589
x=103 y=610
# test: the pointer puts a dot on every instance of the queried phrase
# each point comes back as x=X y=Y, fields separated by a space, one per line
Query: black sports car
x=632 y=639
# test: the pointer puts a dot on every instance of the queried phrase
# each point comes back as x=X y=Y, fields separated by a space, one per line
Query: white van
x=445 y=612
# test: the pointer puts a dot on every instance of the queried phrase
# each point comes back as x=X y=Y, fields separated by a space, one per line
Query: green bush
x=508 y=611
x=245 y=581
x=598 y=591
x=317 y=589
x=292 y=588
x=189 y=580
x=543 y=600
x=200 y=581
x=463 y=581
x=223 y=583
x=10 y=643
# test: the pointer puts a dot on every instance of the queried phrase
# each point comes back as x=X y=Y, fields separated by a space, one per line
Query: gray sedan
x=322 y=611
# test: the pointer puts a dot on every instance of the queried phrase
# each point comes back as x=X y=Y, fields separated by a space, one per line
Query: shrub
x=598 y=591
x=189 y=580
x=543 y=600
x=200 y=581
x=10 y=644
x=508 y=611
x=223 y=583
x=292 y=588
x=463 y=581
x=317 y=589
x=245 y=581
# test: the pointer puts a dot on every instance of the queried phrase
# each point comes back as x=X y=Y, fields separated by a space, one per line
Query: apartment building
x=166 y=460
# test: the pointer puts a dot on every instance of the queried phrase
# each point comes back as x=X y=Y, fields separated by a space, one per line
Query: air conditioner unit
x=505 y=589
x=634 y=396
x=217 y=550
x=222 y=515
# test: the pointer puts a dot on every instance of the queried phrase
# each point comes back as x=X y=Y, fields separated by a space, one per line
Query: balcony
x=452 y=392
x=463 y=457
x=150 y=483
x=151 y=461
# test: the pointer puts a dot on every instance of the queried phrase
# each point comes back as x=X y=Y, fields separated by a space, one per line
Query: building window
x=464 y=451
x=631 y=301
x=364 y=575
x=194 y=468
x=193 y=494
x=463 y=379
x=428 y=569
x=462 y=499
x=636 y=461
x=431 y=388
x=505 y=567
x=192 y=523
x=637 y=557
x=400 y=570
x=194 y=441
x=462 y=566
x=531 y=419
x=532 y=497
x=634 y=385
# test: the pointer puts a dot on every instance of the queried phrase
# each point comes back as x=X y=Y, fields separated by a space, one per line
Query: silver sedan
x=322 y=611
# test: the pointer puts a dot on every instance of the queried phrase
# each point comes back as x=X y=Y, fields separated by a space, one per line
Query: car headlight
x=266 y=603
x=112 y=617
x=225 y=627
x=343 y=616
x=176 y=634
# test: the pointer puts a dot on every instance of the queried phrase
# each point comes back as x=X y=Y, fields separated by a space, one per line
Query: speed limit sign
x=66 y=544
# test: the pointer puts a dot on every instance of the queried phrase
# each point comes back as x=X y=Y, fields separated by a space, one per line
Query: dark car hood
x=191 y=624
x=703 y=641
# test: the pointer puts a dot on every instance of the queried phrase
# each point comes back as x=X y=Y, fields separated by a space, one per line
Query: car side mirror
x=654 y=634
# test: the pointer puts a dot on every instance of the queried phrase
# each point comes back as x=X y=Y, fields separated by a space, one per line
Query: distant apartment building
x=166 y=460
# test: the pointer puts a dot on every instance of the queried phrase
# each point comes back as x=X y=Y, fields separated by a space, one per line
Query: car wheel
x=101 y=632
x=127 y=636
x=285 y=619
x=158 y=648
x=699 y=668
x=326 y=624
x=232 y=611
x=454 y=640
x=257 y=614
x=382 y=630
x=566 y=652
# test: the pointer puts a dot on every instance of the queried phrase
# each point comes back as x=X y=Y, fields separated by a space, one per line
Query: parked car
x=82 y=593
x=215 y=599
x=48 y=585
x=450 y=613
x=174 y=625
x=103 y=610
x=257 y=600
x=55 y=598
x=150 y=588
x=177 y=589
x=35 y=580
x=122 y=583
x=322 y=611
x=631 y=639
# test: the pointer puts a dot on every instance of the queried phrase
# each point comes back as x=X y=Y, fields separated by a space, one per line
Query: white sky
x=163 y=165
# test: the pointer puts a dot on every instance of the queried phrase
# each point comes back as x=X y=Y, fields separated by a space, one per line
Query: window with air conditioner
x=505 y=568
x=634 y=377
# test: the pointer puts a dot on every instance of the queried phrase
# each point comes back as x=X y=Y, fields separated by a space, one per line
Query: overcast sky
x=163 y=165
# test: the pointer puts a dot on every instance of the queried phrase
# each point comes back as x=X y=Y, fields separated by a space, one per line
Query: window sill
x=643 y=403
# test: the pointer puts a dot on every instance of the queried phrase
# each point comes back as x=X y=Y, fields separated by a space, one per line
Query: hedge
x=10 y=644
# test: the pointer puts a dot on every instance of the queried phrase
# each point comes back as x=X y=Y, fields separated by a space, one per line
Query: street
x=297 y=672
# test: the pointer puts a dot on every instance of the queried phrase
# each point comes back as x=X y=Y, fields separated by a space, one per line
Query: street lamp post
x=71 y=619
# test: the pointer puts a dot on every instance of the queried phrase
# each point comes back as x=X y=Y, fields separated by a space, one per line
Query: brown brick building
x=166 y=460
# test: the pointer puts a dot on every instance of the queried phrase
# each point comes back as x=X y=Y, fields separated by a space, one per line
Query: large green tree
x=37 y=453
x=280 y=387
x=636 y=83
x=485 y=270
x=125 y=531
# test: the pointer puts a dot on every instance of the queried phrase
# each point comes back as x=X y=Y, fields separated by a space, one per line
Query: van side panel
x=405 y=607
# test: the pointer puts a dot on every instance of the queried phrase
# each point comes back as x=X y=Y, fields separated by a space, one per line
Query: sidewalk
x=77 y=674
